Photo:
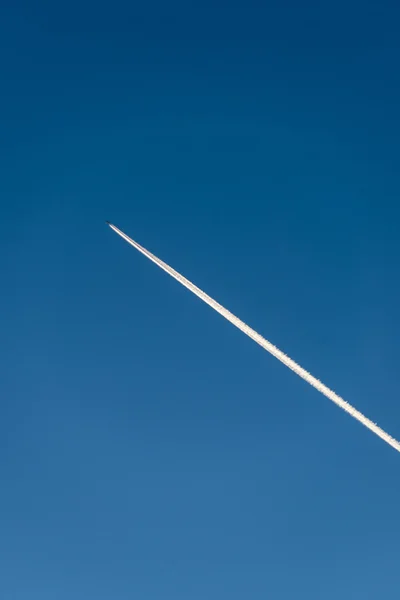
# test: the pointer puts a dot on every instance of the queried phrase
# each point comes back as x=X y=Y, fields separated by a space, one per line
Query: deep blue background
x=148 y=450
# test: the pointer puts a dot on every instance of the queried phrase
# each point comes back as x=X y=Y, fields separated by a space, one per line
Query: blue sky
x=148 y=449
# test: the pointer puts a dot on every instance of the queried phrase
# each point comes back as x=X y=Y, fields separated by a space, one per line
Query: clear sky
x=148 y=449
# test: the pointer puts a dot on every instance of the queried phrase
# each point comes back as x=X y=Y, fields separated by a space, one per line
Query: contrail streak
x=264 y=344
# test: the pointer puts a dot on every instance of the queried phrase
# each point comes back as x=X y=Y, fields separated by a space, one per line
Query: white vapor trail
x=265 y=344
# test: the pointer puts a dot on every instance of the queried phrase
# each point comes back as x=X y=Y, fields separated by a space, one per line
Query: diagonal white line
x=286 y=360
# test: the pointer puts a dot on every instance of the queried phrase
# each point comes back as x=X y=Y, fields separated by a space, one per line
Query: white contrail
x=265 y=344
